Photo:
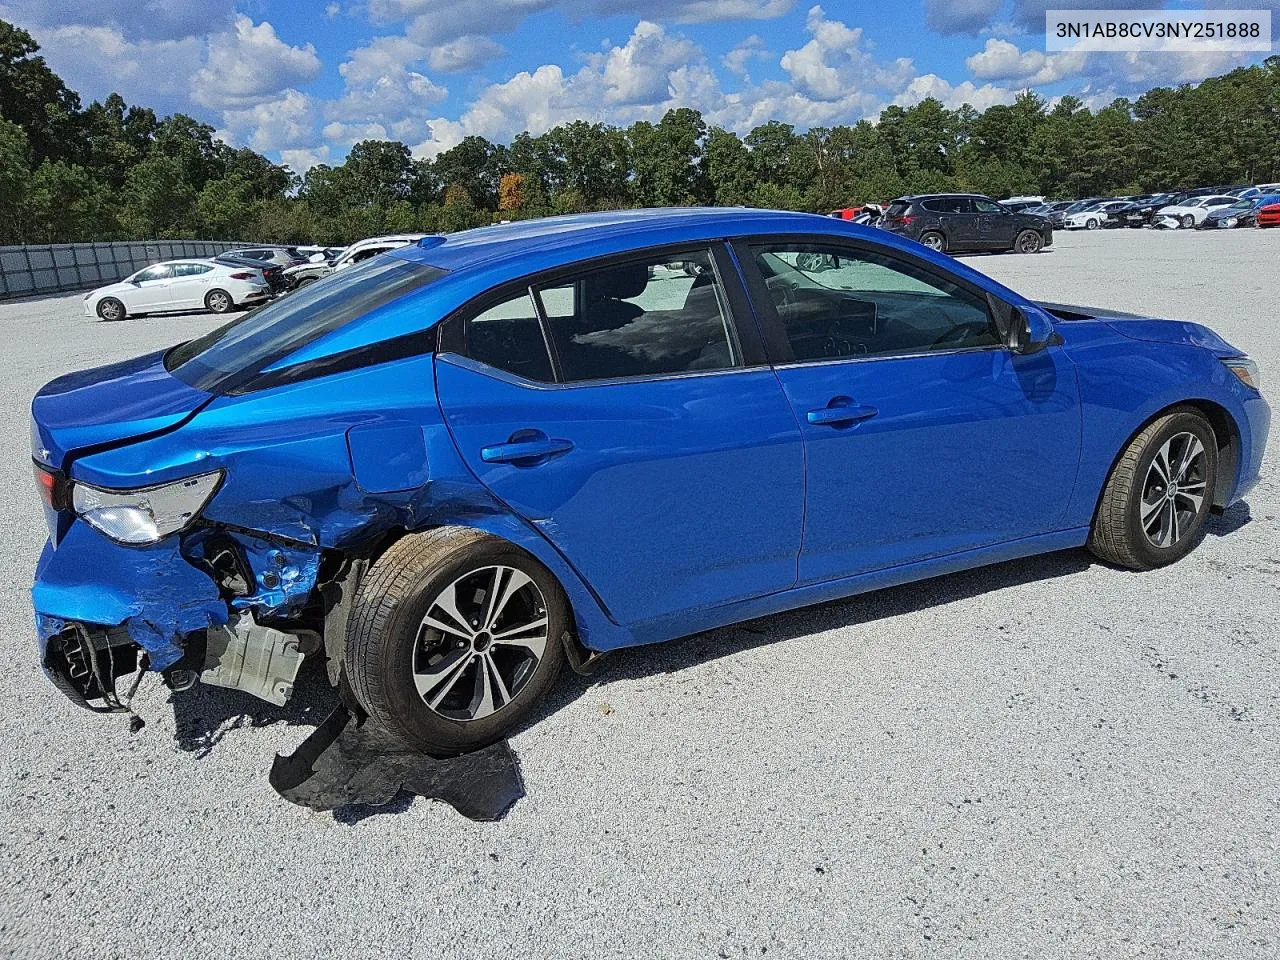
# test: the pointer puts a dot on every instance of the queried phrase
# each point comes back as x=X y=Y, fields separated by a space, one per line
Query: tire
x=304 y=281
x=1119 y=534
x=934 y=240
x=1186 y=221
x=111 y=309
x=392 y=647
x=1028 y=241
x=219 y=301
x=1091 y=224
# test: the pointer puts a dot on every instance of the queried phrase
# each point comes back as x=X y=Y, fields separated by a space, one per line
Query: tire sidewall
x=209 y=301
x=1147 y=552
x=106 y=300
x=413 y=718
x=1018 y=240
x=942 y=241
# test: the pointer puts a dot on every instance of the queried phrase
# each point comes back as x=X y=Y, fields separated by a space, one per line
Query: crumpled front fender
x=152 y=590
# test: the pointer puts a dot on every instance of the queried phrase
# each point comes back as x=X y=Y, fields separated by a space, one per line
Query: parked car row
x=234 y=279
x=1171 y=211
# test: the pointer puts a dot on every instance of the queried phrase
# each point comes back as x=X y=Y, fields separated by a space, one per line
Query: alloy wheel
x=109 y=310
x=480 y=642
x=933 y=241
x=1030 y=243
x=1174 y=490
x=218 y=302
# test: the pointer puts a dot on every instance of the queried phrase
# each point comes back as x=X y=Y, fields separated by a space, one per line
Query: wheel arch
x=594 y=628
x=1225 y=430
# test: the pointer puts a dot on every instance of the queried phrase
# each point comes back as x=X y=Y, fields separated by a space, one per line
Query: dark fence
x=52 y=267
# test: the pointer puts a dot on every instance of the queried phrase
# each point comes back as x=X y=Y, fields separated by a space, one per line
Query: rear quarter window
x=234 y=354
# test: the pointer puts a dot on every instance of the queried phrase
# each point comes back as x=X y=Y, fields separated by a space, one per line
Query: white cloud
x=153 y=20
x=152 y=72
x=1002 y=60
x=835 y=63
x=469 y=52
x=287 y=122
x=953 y=96
x=331 y=11
x=250 y=64
x=736 y=60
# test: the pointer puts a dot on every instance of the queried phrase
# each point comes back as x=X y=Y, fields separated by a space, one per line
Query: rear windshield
x=898 y=208
x=230 y=356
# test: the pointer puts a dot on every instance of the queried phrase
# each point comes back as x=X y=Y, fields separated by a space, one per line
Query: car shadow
x=204 y=715
x=636 y=663
x=1229 y=521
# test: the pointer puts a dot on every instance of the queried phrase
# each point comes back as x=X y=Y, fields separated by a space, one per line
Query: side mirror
x=1027 y=331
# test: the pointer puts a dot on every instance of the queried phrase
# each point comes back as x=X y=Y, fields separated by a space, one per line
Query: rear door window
x=643 y=318
x=508 y=336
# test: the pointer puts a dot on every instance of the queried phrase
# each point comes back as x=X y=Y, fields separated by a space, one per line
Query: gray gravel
x=1041 y=759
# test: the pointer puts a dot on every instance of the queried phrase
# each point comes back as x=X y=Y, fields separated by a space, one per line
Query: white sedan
x=179 y=285
x=1094 y=216
x=1191 y=213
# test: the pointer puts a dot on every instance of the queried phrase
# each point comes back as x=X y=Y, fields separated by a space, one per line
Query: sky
x=301 y=82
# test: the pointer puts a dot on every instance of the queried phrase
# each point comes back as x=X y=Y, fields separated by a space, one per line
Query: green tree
x=15 y=174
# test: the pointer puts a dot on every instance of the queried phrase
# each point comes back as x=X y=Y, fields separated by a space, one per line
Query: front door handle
x=837 y=416
x=525 y=449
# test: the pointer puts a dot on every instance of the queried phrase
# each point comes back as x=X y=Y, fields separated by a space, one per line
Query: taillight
x=242 y=276
x=902 y=220
x=53 y=486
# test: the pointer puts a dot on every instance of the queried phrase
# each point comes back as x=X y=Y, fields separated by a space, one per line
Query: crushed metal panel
x=244 y=655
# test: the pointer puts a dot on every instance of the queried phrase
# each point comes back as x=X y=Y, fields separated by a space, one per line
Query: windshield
x=1079 y=205
x=235 y=353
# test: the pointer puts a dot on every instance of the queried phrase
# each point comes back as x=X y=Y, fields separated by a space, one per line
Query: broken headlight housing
x=147 y=514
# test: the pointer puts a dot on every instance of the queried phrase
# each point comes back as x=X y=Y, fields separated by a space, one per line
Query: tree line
x=116 y=171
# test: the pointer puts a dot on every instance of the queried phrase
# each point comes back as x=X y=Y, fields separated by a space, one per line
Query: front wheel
x=1092 y=224
x=454 y=638
x=1154 y=506
x=109 y=308
x=1028 y=241
x=218 y=301
x=1187 y=221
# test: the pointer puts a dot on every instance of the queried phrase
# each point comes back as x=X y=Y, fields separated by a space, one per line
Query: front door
x=153 y=289
x=923 y=435
x=666 y=469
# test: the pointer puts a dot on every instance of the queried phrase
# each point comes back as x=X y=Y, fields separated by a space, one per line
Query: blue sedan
x=456 y=468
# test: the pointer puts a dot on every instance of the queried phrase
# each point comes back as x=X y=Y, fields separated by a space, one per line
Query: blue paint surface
x=672 y=504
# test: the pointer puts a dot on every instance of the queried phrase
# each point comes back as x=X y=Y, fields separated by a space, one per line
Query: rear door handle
x=525 y=449
x=840 y=415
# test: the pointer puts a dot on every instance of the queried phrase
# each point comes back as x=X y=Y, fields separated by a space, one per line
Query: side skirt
x=696 y=621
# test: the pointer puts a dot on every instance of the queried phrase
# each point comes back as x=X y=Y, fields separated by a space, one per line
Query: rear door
x=923 y=435
x=626 y=411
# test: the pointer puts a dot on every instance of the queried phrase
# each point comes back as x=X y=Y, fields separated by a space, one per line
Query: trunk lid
x=108 y=405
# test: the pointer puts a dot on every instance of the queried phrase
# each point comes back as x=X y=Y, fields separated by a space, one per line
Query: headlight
x=1246 y=371
x=145 y=515
x=1232 y=221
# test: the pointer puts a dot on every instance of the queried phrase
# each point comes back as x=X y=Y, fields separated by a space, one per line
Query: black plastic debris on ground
x=347 y=761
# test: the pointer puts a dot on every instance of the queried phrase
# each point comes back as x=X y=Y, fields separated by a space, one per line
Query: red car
x=846 y=213
x=1269 y=216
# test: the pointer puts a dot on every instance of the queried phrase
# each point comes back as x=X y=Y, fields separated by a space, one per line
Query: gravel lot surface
x=1042 y=759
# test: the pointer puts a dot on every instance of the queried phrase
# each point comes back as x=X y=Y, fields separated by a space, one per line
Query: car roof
x=572 y=237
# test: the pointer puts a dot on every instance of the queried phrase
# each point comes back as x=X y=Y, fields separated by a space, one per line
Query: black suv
x=956 y=222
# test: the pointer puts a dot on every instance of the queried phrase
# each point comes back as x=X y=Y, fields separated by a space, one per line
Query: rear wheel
x=218 y=301
x=454 y=638
x=934 y=240
x=1028 y=241
x=1154 y=506
x=109 y=308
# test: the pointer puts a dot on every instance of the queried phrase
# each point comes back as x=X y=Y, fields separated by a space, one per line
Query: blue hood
x=1136 y=327
x=105 y=405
